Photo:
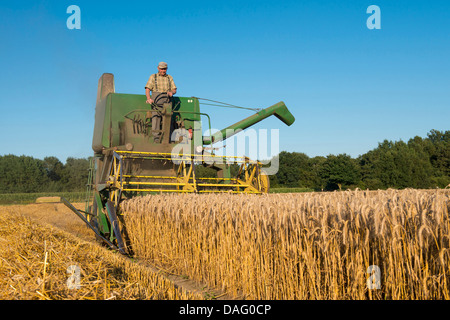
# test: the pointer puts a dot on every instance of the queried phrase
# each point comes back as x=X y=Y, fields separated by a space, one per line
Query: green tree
x=378 y=170
x=421 y=171
x=339 y=172
x=75 y=174
x=293 y=169
x=22 y=174
x=438 y=148
x=54 y=169
x=315 y=165
x=397 y=165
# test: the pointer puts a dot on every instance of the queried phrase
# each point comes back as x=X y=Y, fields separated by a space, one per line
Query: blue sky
x=347 y=86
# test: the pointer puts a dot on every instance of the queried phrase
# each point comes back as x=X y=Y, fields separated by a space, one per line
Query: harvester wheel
x=265 y=183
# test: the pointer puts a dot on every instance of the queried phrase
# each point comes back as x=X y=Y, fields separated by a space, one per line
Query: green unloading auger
x=279 y=110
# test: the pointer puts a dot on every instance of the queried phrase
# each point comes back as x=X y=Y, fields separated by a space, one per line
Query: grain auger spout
x=129 y=161
x=278 y=110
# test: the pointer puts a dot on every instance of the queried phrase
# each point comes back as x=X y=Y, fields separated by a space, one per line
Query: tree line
x=25 y=174
x=418 y=163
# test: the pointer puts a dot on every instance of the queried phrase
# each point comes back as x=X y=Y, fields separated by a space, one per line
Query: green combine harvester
x=128 y=162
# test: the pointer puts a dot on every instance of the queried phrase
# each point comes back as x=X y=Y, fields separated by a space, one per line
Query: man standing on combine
x=163 y=88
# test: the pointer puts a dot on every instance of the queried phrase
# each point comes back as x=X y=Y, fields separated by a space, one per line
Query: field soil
x=56 y=215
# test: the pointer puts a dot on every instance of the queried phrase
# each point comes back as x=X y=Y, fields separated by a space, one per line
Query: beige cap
x=162 y=65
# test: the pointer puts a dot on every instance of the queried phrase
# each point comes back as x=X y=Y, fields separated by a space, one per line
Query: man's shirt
x=159 y=83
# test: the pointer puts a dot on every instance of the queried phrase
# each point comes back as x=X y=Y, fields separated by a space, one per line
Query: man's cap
x=162 y=65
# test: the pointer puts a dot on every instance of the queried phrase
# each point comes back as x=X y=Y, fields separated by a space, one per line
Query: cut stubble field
x=275 y=246
x=47 y=253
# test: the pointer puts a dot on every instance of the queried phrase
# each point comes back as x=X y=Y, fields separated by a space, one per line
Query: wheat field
x=300 y=246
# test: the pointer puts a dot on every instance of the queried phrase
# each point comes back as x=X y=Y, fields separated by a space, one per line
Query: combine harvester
x=128 y=162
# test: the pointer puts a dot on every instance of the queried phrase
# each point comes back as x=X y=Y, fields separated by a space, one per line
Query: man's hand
x=149 y=101
x=170 y=93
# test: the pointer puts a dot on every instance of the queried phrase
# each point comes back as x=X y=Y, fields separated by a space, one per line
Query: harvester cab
x=128 y=161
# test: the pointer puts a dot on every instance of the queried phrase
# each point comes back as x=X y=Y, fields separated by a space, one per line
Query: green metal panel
x=117 y=235
x=102 y=221
x=117 y=106
x=105 y=87
x=111 y=129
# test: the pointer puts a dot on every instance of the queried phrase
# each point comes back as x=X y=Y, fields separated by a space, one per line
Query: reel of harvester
x=129 y=175
x=124 y=179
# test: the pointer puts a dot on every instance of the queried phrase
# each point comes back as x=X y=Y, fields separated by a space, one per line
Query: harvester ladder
x=90 y=184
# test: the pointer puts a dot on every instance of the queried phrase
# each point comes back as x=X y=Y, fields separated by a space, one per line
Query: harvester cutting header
x=134 y=157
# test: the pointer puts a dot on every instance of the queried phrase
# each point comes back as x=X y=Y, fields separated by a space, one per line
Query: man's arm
x=173 y=91
x=148 y=88
x=147 y=93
